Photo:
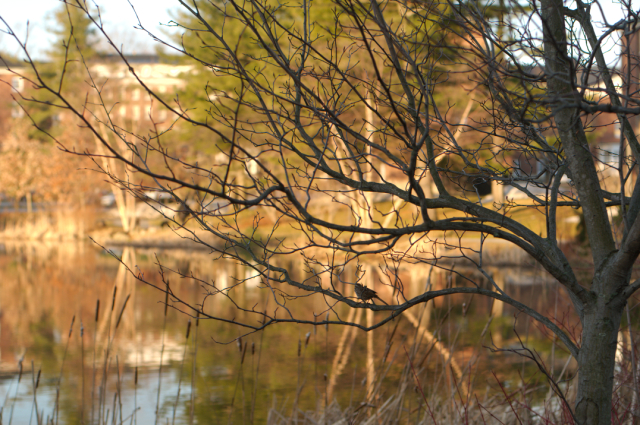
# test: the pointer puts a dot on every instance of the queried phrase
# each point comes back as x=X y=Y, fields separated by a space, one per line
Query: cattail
x=188 y=328
x=122 y=310
x=253 y=348
x=73 y=320
x=38 y=378
x=299 y=347
x=97 y=310
x=243 y=353
x=135 y=379
x=306 y=341
x=239 y=342
x=113 y=303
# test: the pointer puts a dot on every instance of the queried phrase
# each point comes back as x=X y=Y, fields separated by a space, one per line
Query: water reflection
x=44 y=286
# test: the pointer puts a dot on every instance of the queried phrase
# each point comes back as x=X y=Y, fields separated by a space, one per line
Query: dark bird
x=366 y=294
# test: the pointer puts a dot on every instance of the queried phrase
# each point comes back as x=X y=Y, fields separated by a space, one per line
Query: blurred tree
x=33 y=164
x=74 y=44
x=34 y=170
x=20 y=164
x=211 y=81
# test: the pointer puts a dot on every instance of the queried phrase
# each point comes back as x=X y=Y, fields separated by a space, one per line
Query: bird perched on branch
x=366 y=294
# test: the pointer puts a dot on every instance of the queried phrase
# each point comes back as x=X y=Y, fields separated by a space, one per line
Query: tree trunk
x=596 y=363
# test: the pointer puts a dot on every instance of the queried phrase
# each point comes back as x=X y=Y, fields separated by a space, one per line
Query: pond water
x=154 y=374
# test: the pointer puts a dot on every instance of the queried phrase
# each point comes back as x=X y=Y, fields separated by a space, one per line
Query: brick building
x=123 y=96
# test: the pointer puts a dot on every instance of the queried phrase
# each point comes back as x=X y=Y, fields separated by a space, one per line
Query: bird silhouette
x=366 y=294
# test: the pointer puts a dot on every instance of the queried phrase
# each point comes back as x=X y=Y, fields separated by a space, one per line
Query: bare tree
x=346 y=142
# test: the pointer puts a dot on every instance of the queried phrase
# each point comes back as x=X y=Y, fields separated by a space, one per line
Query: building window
x=162 y=116
x=17 y=83
x=135 y=95
x=123 y=111
x=16 y=110
x=162 y=89
x=136 y=112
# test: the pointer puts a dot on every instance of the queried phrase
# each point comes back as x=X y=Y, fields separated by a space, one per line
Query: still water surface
x=43 y=287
